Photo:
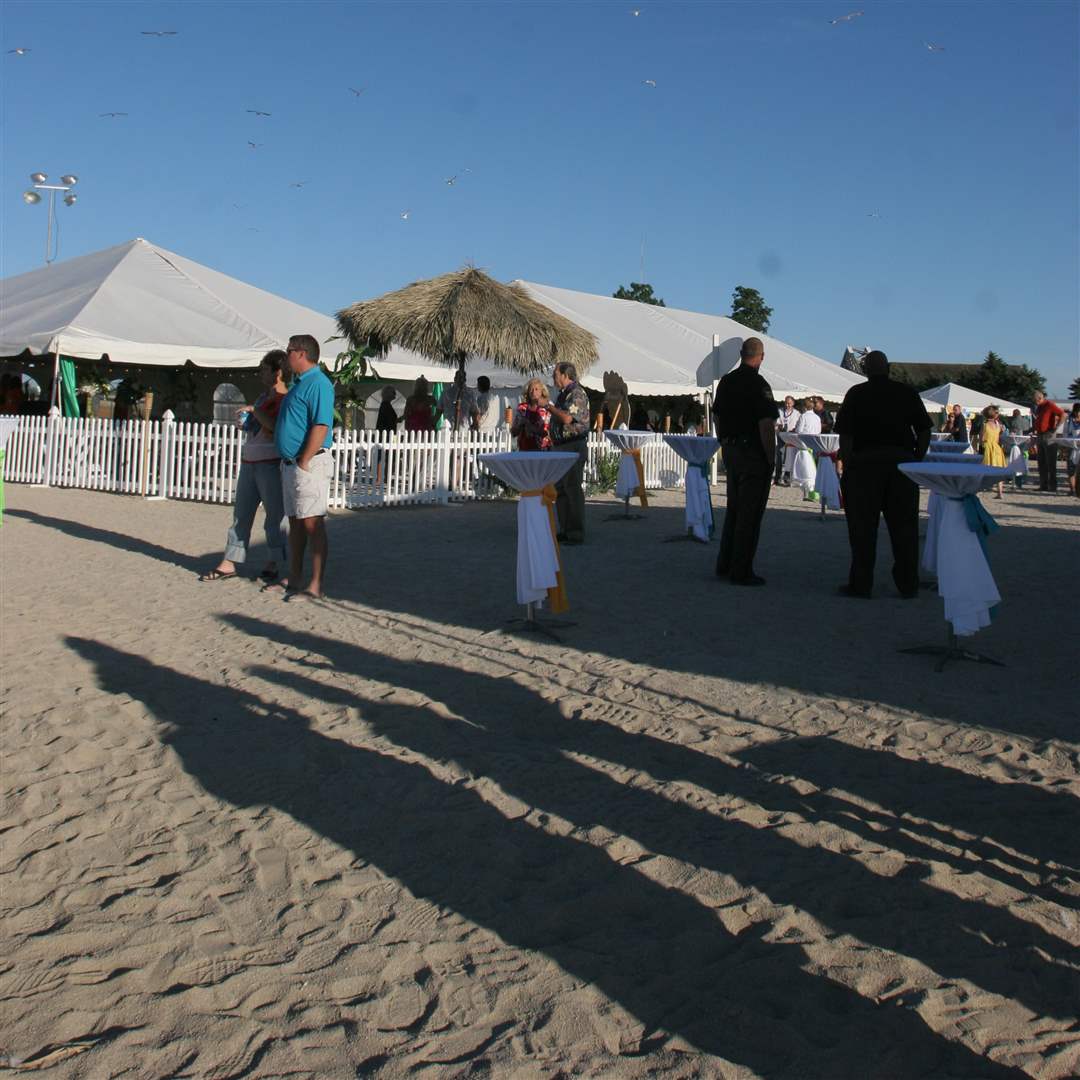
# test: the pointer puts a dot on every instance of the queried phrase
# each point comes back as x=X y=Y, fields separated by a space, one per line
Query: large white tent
x=949 y=394
x=138 y=303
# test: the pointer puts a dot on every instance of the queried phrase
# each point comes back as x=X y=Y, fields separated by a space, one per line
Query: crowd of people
x=881 y=423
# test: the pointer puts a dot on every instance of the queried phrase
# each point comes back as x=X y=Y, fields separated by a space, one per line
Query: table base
x=625 y=515
x=530 y=624
x=688 y=535
x=952 y=650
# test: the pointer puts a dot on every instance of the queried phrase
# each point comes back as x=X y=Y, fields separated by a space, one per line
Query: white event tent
x=138 y=303
x=949 y=394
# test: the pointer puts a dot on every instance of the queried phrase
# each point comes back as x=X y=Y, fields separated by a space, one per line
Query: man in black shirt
x=881 y=423
x=746 y=426
x=958 y=425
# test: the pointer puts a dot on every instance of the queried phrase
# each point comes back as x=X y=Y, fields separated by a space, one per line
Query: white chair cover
x=537 y=561
x=952 y=550
x=8 y=424
x=826 y=482
x=627 y=482
x=696 y=450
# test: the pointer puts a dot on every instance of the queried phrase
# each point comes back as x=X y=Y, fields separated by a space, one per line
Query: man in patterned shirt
x=570 y=432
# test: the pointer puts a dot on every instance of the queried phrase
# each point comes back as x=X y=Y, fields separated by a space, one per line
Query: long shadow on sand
x=662 y=955
x=795 y=633
x=118 y=540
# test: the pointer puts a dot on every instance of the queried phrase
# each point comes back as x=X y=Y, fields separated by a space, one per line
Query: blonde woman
x=990 y=440
x=532 y=421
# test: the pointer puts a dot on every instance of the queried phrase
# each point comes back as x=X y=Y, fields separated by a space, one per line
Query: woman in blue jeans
x=260 y=478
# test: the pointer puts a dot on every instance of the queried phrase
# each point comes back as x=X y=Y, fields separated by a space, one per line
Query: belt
x=292 y=461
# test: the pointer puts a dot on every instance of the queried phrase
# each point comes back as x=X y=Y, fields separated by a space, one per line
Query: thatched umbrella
x=466 y=313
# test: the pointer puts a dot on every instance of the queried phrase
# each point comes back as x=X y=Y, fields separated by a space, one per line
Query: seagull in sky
x=357 y=92
x=851 y=16
x=257 y=112
x=158 y=33
x=298 y=183
x=874 y=214
x=934 y=48
x=451 y=181
x=20 y=51
x=111 y=115
x=405 y=215
x=239 y=205
x=254 y=145
x=649 y=82
x=636 y=12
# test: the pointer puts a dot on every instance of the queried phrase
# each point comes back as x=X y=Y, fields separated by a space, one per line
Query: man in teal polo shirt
x=303 y=434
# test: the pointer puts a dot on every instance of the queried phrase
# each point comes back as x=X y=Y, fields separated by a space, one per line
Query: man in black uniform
x=746 y=427
x=881 y=423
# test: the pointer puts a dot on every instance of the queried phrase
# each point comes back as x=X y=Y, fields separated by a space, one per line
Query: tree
x=1074 y=389
x=1010 y=382
x=748 y=307
x=640 y=292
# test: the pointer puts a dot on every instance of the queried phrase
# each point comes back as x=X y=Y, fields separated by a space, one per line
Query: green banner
x=69 y=398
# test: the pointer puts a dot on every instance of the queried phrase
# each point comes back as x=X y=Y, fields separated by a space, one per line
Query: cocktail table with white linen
x=826 y=481
x=8 y=424
x=631 y=478
x=532 y=473
x=954 y=541
x=696 y=451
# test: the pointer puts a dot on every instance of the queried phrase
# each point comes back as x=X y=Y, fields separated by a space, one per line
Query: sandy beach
x=717 y=832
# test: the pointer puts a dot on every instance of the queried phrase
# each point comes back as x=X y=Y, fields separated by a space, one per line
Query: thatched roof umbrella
x=466 y=313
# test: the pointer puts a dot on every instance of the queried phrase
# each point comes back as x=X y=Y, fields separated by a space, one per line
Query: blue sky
x=769 y=140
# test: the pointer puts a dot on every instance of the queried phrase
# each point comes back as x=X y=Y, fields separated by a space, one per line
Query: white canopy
x=138 y=303
x=950 y=394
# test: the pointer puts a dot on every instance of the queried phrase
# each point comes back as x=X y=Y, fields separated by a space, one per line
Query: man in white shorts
x=304 y=433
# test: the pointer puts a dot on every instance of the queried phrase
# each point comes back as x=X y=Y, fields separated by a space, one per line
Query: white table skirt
x=537 y=556
x=1070 y=444
x=952 y=550
x=626 y=484
x=826 y=482
x=798 y=459
x=696 y=450
x=8 y=424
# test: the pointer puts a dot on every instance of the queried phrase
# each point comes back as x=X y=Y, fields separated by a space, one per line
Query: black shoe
x=855 y=594
x=753 y=579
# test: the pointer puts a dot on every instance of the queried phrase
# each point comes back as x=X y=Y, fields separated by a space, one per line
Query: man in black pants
x=570 y=433
x=881 y=423
x=746 y=427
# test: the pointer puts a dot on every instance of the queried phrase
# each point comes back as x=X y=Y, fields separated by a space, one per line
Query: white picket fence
x=178 y=460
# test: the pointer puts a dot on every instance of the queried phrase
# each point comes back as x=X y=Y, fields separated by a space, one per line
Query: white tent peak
x=141 y=303
x=949 y=394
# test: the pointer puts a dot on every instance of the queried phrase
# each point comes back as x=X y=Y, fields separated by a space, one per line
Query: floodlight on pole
x=31 y=198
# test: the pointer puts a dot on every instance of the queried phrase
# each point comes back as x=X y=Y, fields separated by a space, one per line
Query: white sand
x=720 y=832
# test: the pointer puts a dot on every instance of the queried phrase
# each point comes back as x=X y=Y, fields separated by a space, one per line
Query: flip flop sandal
x=217 y=575
x=275 y=586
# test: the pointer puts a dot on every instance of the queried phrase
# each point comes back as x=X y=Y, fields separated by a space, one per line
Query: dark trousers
x=869 y=492
x=570 y=504
x=748 y=474
x=781 y=450
x=1048 y=453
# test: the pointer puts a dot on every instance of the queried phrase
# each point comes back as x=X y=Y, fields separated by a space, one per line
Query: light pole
x=31 y=196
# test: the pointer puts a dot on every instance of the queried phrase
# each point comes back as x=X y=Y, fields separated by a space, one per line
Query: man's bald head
x=752 y=352
x=876 y=364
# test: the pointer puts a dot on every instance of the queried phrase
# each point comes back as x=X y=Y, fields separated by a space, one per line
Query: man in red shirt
x=1047 y=418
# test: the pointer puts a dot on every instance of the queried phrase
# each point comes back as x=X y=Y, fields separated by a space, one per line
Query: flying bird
x=934 y=48
x=649 y=82
x=636 y=12
x=873 y=214
x=111 y=115
x=254 y=145
x=451 y=181
x=357 y=92
x=299 y=183
x=257 y=112
x=405 y=215
x=851 y=16
x=239 y=205
x=20 y=51
x=158 y=33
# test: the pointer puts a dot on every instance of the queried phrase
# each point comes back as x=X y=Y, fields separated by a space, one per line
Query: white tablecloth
x=8 y=424
x=626 y=484
x=537 y=557
x=952 y=549
x=966 y=460
x=696 y=451
x=826 y=482
x=948 y=446
x=1072 y=445
x=801 y=464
